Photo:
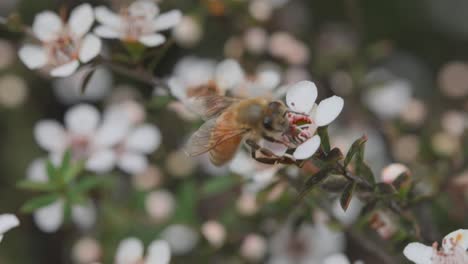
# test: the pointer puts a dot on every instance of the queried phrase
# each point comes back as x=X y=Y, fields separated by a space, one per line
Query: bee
x=230 y=121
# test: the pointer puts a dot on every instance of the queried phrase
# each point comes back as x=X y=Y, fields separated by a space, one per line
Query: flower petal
x=328 y=110
x=458 y=238
x=159 y=252
x=143 y=8
x=418 y=253
x=65 y=70
x=37 y=171
x=33 y=56
x=130 y=250
x=307 y=149
x=82 y=119
x=47 y=25
x=90 y=48
x=50 y=217
x=277 y=148
x=145 y=138
x=81 y=19
x=84 y=215
x=50 y=135
x=133 y=163
x=112 y=131
x=7 y=222
x=107 y=17
x=337 y=258
x=152 y=40
x=229 y=74
x=167 y=20
x=301 y=96
x=101 y=161
x=106 y=32
x=177 y=89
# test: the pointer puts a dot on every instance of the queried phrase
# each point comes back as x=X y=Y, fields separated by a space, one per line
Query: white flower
x=140 y=22
x=453 y=250
x=310 y=244
x=130 y=251
x=49 y=218
x=7 y=222
x=181 y=238
x=304 y=119
x=338 y=258
x=160 y=205
x=84 y=136
x=391 y=172
x=63 y=45
x=188 y=32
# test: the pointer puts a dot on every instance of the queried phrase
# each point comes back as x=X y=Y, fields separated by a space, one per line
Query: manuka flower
x=130 y=251
x=453 y=250
x=63 y=45
x=140 y=22
x=7 y=222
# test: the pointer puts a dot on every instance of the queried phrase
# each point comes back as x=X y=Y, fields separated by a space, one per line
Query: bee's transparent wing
x=210 y=106
x=211 y=134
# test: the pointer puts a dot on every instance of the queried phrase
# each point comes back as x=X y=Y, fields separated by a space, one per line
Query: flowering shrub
x=239 y=131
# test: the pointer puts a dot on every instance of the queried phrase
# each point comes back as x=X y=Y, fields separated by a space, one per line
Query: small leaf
x=334 y=155
x=52 y=172
x=88 y=183
x=355 y=148
x=73 y=171
x=135 y=50
x=385 y=188
x=403 y=180
x=39 y=202
x=347 y=195
x=334 y=183
x=88 y=76
x=366 y=173
x=312 y=181
x=324 y=138
x=36 y=186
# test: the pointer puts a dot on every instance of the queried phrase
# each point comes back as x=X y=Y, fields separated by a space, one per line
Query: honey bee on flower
x=63 y=44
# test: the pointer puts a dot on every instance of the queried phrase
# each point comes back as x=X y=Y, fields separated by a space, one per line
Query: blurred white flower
x=414 y=112
x=391 y=172
x=179 y=164
x=256 y=40
x=305 y=117
x=351 y=214
x=453 y=250
x=263 y=83
x=454 y=122
x=452 y=79
x=262 y=10
x=13 y=91
x=445 y=144
x=140 y=22
x=8 y=54
x=130 y=251
x=338 y=258
x=69 y=89
x=160 y=205
x=7 y=222
x=309 y=244
x=63 y=45
x=286 y=47
x=181 y=238
x=214 y=232
x=384 y=224
x=254 y=247
x=188 y=32
x=247 y=203
x=86 y=250
x=148 y=179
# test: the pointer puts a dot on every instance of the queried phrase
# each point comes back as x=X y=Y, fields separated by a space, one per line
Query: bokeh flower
x=7 y=222
x=63 y=45
x=131 y=251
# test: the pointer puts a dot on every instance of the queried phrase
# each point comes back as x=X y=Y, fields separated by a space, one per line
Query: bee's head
x=274 y=119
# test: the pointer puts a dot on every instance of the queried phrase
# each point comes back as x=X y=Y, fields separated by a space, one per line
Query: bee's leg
x=254 y=147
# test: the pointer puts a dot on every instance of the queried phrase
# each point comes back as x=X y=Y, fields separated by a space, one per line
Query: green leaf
x=39 y=202
x=73 y=171
x=52 y=172
x=218 y=184
x=186 y=203
x=36 y=186
x=366 y=172
x=312 y=181
x=385 y=188
x=355 y=148
x=88 y=184
x=334 y=183
x=333 y=156
x=347 y=195
x=135 y=49
x=324 y=138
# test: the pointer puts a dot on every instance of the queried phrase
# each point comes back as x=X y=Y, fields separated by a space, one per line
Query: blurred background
x=401 y=67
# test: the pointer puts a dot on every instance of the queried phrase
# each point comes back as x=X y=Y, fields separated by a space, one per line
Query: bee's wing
x=211 y=106
x=211 y=134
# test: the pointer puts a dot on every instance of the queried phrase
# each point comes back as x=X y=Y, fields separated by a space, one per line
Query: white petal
x=33 y=56
x=301 y=96
x=50 y=135
x=49 y=218
x=328 y=110
x=82 y=119
x=152 y=40
x=101 y=161
x=268 y=79
x=159 y=252
x=81 y=19
x=143 y=8
x=90 y=48
x=418 y=253
x=65 y=70
x=47 y=25
x=307 y=149
x=459 y=237
x=130 y=250
x=7 y=222
x=167 y=20
x=84 y=215
x=229 y=74
x=133 y=163
x=37 y=171
x=112 y=131
x=178 y=90
x=181 y=238
x=338 y=258
x=107 y=17
x=106 y=32
x=145 y=138
x=277 y=148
